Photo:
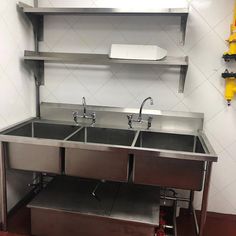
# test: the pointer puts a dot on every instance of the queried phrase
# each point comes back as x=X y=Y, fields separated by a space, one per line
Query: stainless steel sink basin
x=43 y=130
x=39 y=158
x=185 y=174
x=168 y=141
x=109 y=165
x=105 y=136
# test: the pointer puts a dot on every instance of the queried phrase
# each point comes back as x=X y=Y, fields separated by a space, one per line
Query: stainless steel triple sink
x=140 y=156
x=110 y=136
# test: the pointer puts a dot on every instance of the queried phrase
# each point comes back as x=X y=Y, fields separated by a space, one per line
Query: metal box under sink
x=67 y=207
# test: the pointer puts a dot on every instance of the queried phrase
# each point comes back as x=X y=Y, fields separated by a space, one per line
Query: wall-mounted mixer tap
x=77 y=116
x=140 y=119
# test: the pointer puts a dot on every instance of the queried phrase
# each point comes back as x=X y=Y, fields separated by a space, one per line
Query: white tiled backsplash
x=127 y=85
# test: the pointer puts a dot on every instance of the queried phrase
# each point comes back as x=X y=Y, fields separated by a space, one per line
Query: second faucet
x=76 y=114
x=140 y=119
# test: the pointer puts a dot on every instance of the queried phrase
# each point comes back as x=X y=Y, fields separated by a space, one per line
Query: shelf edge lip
x=41 y=10
x=101 y=58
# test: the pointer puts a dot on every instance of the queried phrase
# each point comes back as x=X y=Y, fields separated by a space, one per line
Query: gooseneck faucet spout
x=142 y=105
x=140 y=119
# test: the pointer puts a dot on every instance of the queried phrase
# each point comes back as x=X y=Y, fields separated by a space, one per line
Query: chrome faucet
x=142 y=105
x=140 y=119
x=76 y=114
x=84 y=106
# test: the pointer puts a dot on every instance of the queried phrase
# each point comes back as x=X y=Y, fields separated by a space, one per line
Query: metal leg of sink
x=3 y=185
x=191 y=199
x=195 y=222
x=193 y=212
x=174 y=218
x=205 y=198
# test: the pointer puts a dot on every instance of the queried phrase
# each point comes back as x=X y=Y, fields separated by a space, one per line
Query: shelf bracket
x=183 y=74
x=38 y=24
x=183 y=27
x=38 y=71
x=36 y=20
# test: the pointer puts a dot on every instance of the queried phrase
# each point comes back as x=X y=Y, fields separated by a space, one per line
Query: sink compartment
x=105 y=136
x=39 y=158
x=43 y=130
x=168 y=141
x=173 y=173
x=151 y=170
x=67 y=207
x=108 y=165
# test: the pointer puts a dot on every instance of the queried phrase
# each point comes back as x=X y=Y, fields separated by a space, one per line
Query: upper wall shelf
x=40 y=12
x=103 y=59
x=52 y=10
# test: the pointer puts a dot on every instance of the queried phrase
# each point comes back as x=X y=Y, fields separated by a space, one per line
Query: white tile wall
x=208 y=27
x=16 y=83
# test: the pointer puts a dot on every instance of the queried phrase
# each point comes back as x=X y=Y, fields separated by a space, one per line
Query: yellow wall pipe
x=230 y=78
x=231 y=54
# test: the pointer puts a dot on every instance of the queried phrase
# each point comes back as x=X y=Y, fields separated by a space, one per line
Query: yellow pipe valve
x=230 y=89
x=230 y=86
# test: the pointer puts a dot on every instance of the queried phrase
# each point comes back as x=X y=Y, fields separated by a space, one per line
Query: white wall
x=16 y=83
x=127 y=85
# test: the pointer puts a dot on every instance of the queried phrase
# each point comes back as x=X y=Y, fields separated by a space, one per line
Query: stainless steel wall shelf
x=103 y=59
x=55 y=11
x=39 y=12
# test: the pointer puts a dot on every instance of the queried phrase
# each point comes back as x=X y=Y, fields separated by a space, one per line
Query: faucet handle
x=75 y=116
x=130 y=118
x=93 y=116
x=149 y=122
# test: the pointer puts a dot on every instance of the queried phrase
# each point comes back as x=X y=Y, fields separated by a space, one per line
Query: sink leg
x=191 y=199
x=205 y=198
x=3 y=191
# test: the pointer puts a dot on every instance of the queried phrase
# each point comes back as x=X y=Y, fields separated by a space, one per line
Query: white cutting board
x=137 y=52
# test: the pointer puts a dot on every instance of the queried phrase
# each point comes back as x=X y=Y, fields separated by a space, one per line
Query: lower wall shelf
x=102 y=59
